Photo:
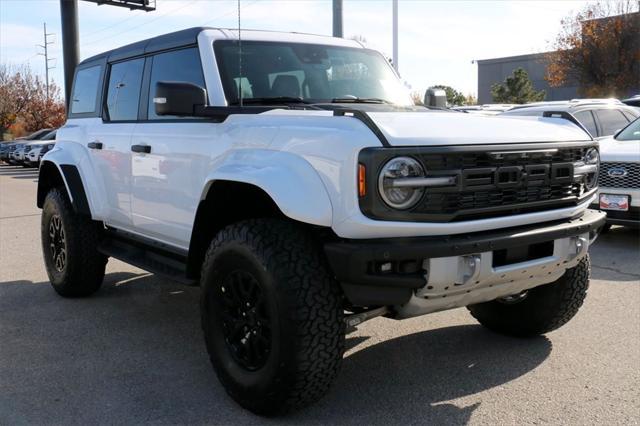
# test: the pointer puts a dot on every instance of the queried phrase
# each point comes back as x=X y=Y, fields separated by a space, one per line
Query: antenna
x=239 y=59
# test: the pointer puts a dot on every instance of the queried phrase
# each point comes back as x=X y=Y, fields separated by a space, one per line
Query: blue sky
x=438 y=39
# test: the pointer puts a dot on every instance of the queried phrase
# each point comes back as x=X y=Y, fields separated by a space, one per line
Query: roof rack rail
x=595 y=101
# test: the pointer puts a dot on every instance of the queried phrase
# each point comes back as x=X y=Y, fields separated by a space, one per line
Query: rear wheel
x=539 y=310
x=69 y=247
x=272 y=316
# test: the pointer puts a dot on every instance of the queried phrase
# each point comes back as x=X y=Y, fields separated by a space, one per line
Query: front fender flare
x=291 y=182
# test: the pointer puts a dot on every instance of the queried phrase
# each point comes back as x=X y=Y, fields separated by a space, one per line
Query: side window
x=586 y=119
x=611 y=120
x=179 y=65
x=123 y=92
x=85 y=90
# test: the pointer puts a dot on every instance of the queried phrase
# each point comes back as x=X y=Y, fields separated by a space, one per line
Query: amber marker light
x=362 y=186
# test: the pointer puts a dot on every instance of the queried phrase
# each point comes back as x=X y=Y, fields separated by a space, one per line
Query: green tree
x=516 y=89
x=453 y=96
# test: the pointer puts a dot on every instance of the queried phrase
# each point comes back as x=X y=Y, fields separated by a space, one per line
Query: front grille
x=481 y=198
x=619 y=175
x=493 y=181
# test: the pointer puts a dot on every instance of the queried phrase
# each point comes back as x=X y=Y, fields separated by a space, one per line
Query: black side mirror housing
x=179 y=98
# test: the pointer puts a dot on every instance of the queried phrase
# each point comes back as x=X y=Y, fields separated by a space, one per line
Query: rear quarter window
x=85 y=90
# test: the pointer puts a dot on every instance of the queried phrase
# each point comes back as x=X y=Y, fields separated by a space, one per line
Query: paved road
x=134 y=352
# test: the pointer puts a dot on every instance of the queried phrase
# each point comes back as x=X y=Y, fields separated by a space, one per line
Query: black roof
x=166 y=41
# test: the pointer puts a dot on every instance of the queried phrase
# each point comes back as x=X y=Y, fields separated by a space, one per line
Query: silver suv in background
x=601 y=117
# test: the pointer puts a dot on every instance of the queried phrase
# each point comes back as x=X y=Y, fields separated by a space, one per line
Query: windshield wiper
x=272 y=100
x=357 y=100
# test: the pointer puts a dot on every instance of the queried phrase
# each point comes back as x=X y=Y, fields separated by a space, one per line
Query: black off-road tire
x=544 y=308
x=83 y=267
x=305 y=309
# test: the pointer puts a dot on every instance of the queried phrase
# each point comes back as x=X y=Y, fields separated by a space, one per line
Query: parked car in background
x=38 y=149
x=619 y=193
x=601 y=117
x=10 y=156
x=16 y=155
x=4 y=151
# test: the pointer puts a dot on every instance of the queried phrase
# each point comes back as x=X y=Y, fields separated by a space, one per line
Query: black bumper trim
x=350 y=260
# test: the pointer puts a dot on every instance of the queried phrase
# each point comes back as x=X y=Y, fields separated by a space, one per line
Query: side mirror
x=178 y=98
x=435 y=98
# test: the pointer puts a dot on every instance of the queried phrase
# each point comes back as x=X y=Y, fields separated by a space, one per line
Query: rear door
x=167 y=180
x=109 y=140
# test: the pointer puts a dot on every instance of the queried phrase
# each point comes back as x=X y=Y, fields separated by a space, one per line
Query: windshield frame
x=231 y=97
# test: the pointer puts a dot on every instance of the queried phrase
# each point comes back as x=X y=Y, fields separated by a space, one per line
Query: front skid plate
x=440 y=293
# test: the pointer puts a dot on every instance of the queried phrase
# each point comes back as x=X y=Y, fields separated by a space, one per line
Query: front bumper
x=394 y=270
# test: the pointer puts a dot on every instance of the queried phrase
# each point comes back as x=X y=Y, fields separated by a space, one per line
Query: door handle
x=141 y=148
x=95 y=145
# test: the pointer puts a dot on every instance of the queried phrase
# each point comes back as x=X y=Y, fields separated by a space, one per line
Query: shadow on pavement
x=134 y=353
x=615 y=256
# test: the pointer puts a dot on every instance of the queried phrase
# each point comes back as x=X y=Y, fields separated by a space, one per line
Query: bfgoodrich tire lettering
x=69 y=247
x=544 y=308
x=301 y=302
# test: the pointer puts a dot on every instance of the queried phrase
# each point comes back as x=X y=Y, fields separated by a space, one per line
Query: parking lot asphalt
x=133 y=353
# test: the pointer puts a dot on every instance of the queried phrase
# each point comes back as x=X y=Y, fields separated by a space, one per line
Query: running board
x=137 y=252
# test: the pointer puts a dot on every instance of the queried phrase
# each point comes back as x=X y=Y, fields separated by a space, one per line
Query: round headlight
x=389 y=183
x=592 y=157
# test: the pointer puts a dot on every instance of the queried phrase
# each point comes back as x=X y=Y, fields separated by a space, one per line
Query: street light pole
x=70 y=47
x=337 y=18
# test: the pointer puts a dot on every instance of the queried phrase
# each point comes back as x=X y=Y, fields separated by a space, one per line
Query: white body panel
x=305 y=160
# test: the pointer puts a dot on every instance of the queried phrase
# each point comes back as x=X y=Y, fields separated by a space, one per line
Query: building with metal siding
x=492 y=71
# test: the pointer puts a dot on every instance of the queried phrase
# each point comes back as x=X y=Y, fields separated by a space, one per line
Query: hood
x=444 y=128
x=615 y=150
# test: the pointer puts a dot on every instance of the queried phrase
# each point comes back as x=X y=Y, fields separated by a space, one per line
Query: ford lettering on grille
x=517 y=176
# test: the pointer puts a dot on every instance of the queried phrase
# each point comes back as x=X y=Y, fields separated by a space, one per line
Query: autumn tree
x=454 y=97
x=599 y=48
x=23 y=100
x=516 y=89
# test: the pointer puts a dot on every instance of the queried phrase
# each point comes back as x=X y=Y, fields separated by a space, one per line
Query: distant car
x=619 y=193
x=11 y=157
x=4 y=151
x=38 y=149
x=601 y=117
x=16 y=155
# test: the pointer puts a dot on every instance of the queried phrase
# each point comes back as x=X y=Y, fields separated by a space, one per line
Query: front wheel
x=69 y=247
x=541 y=309
x=272 y=316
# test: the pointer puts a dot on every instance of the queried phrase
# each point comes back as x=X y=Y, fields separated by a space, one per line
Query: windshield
x=310 y=72
x=630 y=133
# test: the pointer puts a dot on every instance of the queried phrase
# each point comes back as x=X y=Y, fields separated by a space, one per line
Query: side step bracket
x=146 y=256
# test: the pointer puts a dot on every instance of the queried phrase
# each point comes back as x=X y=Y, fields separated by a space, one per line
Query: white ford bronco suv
x=293 y=179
